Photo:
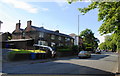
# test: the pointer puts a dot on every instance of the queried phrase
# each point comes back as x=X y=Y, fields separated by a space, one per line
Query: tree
x=89 y=41
x=109 y=13
x=109 y=44
x=103 y=46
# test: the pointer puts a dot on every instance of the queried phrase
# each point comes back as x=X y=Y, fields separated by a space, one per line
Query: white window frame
x=52 y=37
x=42 y=42
x=59 y=38
x=41 y=34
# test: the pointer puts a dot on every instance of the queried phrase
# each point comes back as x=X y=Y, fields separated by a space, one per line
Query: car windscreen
x=83 y=52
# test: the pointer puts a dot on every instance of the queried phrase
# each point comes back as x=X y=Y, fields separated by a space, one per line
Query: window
x=24 y=34
x=72 y=40
x=53 y=37
x=41 y=34
x=42 y=43
x=59 y=38
x=67 y=39
x=60 y=44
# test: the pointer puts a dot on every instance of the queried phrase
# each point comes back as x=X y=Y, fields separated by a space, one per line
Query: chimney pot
x=18 y=26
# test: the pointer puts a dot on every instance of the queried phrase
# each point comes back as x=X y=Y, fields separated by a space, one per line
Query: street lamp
x=0 y=24
x=78 y=33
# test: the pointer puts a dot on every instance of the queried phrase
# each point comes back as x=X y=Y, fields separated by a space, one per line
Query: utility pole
x=0 y=24
x=78 y=33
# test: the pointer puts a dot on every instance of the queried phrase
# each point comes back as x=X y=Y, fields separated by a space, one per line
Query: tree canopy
x=109 y=14
x=109 y=44
x=89 y=41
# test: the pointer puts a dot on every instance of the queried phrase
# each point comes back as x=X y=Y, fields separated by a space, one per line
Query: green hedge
x=64 y=50
x=12 y=54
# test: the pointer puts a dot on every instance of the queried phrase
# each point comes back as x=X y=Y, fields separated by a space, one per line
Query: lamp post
x=78 y=33
x=0 y=24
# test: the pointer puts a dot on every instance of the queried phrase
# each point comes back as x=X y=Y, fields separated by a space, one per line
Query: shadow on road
x=97 y=57
x=93 y=57
x=56 y=69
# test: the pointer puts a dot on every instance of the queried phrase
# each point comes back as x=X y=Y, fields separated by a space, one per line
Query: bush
x=11 y=54
x=75 y=48
x=89 y=49
x=63 y=47
x=64 y=50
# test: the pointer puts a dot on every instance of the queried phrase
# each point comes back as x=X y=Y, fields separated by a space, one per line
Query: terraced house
x=41 y=36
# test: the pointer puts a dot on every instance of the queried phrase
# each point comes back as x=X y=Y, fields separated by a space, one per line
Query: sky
x=50 y=14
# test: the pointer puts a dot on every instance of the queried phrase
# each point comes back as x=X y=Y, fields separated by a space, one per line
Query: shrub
x=89 y=49
x=12 y=54
x=63 y=47
x=75 y=48
x=64 y=50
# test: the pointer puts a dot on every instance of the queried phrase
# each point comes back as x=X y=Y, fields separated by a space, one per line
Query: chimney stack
x=29 y=23
x=57 y=31
x=18 y=25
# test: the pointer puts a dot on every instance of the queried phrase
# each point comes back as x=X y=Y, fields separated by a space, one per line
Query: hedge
x=64 y=50
x=12 y=54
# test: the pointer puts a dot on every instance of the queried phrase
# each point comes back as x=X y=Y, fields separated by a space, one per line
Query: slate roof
x=20 y=29
x=50 y=32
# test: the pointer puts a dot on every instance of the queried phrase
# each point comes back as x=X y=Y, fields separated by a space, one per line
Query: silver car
x=84 y=54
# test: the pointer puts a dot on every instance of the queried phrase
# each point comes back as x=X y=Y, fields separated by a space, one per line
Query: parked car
x=84 y=54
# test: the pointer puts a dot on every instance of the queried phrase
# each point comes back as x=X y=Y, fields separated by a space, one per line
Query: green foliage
x=89 y=40
x=103 y=46
x=12 y=54
x=75 y=48
x=109 y=13
x=19 y=52
x=63 y=47
x=110 y=43
x=64 y=50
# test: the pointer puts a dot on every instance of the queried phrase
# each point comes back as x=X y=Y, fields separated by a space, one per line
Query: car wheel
x=79 y=57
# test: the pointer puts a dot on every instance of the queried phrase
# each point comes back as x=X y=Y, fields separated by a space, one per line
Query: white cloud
x=7 y=26
x=101 y=38
x=21 y=5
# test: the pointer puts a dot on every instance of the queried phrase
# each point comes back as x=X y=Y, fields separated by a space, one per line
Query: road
x=97 y=64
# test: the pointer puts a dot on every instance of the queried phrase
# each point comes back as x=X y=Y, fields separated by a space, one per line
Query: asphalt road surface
x=97 y=64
